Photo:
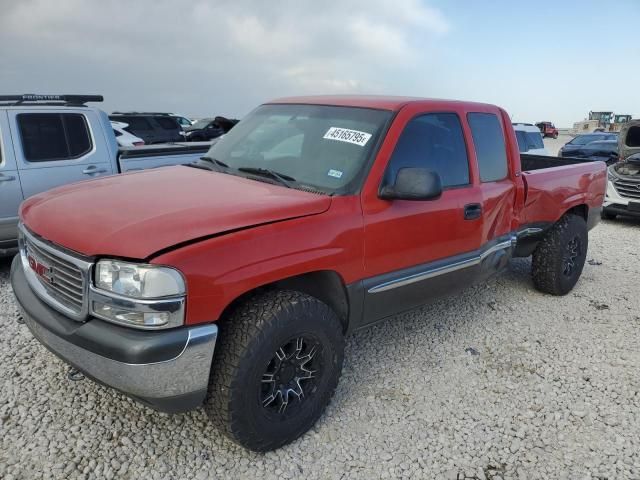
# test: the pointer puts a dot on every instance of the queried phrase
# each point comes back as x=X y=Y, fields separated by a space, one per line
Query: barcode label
x=346 y=135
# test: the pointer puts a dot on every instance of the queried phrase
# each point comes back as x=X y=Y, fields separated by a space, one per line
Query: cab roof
x=380 y=102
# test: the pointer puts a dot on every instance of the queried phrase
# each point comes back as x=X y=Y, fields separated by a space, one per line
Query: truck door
x=58 y=146
x=415 y=250
x=10 y=191
x=497 y=180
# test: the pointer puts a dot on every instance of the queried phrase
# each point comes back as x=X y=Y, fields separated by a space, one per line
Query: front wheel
x=559 y=258
x=275 y=369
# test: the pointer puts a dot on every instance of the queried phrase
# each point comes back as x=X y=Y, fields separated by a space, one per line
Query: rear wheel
x=559 y=258
x=275 y=369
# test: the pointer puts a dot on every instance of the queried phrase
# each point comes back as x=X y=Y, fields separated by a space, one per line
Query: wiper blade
x=216 y=162
x=265 y=172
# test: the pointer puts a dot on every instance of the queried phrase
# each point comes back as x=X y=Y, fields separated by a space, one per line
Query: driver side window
x=434 y=141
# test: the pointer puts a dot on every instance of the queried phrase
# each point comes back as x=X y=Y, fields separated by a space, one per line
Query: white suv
x=529 y=139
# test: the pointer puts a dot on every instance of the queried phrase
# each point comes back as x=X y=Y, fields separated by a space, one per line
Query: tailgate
x=550 y=192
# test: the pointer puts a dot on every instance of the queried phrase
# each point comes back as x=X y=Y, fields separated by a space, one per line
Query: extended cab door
x=415 y=250
x=10 y=191
x=58 y=146
x=497 y=177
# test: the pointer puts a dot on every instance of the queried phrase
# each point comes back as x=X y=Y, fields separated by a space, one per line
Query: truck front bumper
x=167 y=370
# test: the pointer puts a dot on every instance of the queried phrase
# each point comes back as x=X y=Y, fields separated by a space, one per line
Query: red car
x=311 y=218
x=547 y=129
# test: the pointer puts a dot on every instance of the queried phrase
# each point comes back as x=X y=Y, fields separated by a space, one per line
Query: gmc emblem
x=41 y=269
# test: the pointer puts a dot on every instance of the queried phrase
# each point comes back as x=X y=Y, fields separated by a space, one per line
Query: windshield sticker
x=346 y=135
x=335 y=173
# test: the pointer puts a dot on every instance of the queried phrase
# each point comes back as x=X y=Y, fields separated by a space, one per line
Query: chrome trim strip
x=187 y=372
x=39 y=289
x=529 y=231
x=174 y=305
x=434 y=272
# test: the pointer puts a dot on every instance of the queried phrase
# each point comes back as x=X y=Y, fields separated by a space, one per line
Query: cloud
x=204 y=57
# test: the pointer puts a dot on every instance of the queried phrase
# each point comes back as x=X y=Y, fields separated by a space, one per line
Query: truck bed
x=538 y=162
x=164 y=149
x=152 y=156
x=554 y=185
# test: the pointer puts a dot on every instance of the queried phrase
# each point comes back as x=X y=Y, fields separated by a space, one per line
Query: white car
x=124 y=138
x=529 y=139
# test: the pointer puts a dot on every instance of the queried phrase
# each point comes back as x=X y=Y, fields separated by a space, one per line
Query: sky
x=550 y=60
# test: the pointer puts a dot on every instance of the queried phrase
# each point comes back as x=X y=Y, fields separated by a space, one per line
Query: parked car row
x=156 y=127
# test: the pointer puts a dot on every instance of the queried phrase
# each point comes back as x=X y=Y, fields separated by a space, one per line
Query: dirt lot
x=498 y=382
x=554 y=144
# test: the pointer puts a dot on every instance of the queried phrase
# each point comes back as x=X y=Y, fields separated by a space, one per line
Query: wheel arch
x=327 y=286
x=581 y=210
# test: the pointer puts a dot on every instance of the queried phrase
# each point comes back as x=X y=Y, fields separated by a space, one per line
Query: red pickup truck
x=313 y=217
x=548 y=129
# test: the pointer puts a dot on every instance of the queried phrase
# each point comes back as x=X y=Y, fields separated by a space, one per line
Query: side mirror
x=413 y=184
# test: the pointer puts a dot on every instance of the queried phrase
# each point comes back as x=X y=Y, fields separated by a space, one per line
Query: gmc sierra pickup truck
x=311 y=218
x=51 y=140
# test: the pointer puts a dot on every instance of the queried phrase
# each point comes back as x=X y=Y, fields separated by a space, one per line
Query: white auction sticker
x=346 y=135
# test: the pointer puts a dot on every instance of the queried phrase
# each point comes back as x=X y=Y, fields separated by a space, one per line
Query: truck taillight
x=138 y=144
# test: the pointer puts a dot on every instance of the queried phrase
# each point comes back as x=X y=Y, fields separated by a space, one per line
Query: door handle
x=93 y=170
x=7 y=178
x=472 y=211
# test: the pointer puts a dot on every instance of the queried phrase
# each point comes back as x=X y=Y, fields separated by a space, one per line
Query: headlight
x=138 y=280
x=610 y=175
x=138 y=295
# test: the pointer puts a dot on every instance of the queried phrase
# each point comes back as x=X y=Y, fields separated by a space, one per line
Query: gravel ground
x=554 y=144
x=499 y=382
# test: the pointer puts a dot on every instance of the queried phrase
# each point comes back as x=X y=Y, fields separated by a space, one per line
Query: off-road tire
x=549 y=262
x=607 y=215
x=247 y=341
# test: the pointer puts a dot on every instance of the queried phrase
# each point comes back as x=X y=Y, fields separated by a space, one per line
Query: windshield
x=584 y=139
x=529 y=141
x=607 y=146
x=202 y=123
x=325 y=147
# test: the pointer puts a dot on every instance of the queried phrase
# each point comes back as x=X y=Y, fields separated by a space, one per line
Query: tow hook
x=75 y=375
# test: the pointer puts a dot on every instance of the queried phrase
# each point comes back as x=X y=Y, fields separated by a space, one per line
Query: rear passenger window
x=434 y=141
x=168 y=123
x=523 y=144
x=489 y=144
x=53 y=136
x=136 y=123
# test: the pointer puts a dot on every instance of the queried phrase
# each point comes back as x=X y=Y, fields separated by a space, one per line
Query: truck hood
x=135 y=215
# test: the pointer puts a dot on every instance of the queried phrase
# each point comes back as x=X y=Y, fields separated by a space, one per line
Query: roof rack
x=65 y=100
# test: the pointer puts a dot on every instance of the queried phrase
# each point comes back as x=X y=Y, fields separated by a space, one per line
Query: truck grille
x=55 y=276
x=627 y=188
